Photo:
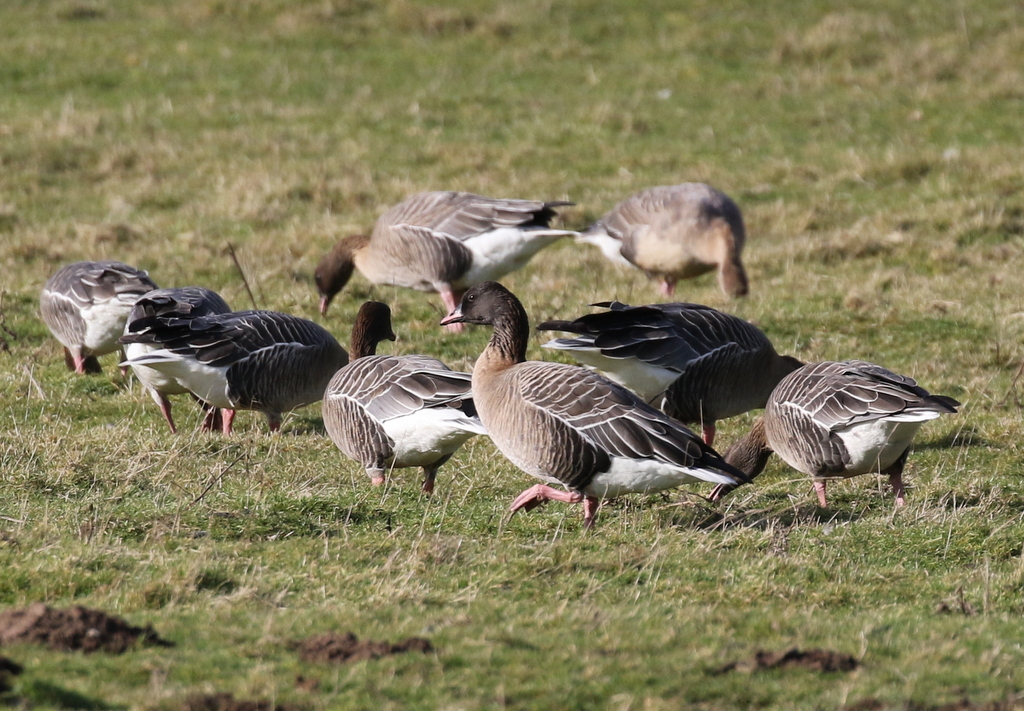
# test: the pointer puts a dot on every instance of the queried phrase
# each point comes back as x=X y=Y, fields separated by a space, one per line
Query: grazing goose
x=246 y=360
x=85 y=305
x=567 y=425
x=390 y=412
x=676 y=232
x=183 y=303
x=835 y=420
x=695 y=363
x=443 y=242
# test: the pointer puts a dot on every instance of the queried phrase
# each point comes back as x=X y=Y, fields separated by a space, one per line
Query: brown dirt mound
x=341 y=648
x=819 y=660
x=75 y=628
x=227 y=702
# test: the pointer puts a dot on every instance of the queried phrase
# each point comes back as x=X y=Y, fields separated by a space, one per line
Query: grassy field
x=876 y=152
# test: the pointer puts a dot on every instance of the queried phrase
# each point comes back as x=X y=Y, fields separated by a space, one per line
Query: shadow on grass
x=966 y=436
x=783 y=513
x=43 y=693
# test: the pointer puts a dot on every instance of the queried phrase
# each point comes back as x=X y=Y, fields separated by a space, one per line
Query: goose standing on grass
x=183 y=303
x=567 y=425
x=676 y=232
x=390 y=412
x=443 y=242
x=85 y=306
x=246 y=360
x=835 y=420
x=694 y=363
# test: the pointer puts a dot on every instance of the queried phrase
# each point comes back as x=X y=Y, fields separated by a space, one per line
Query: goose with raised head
x=569 y=426
x=244 y=360
x=839 y=419
x=185 y=302
x=391 y=412
x=442 y=241
x=693 y=362
x=85 y=306
x=675 y=232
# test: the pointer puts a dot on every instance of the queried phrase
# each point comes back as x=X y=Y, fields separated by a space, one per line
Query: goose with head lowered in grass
x=181 y=303
x=571 y=427
x=839 y=419
x=674 y=232
x=244 y=360
x=693 y=362
x=390 y=412
x=442 y=241
x=85 y=305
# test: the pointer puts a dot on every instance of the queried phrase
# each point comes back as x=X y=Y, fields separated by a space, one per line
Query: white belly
x=208 y=383
x=153 y=379
x=498 y=252
x=425 y=436
x=874 y=446
x=104 y=324
x=641 y=476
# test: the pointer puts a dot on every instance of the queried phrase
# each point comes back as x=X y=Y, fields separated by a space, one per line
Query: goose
x=569 y=426
x=85 y=306
x=835 y=420
x=182 y=303
x=244 y=360
x=693 y=362
x=674 y=232
x=391 y=412
x=444 y=242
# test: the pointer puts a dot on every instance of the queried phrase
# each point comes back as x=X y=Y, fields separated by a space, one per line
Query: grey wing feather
x=395 y=386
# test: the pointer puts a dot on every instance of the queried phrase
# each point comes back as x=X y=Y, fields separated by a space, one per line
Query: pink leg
x=896 y=479
x=79 y=362
x=275 y=424
x=537 y=495
x=428 y=481
x=719 y=491
x=227 y=419
x=667 y=287
x=165 y=408
x=377 y=479
x=451 y=302
x=212 y=420
x=819 y=488
x=708 y=431
x=590 y=505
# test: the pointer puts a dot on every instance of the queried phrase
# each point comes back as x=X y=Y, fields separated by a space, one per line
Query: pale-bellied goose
x=85 y=305
x=567 y=425
x=182 y=303
x=246 y=360
x=390 y=412
x=695 y=363
x=835 y=420
x=676 y=232
x=443 y=242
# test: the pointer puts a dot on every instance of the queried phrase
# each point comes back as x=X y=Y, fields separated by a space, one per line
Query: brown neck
x=511 y=334
x=372 y=325
x=363 y=343
x=751 y=452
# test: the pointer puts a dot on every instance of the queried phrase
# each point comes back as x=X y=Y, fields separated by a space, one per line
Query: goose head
x=486 y=304
x=335 y=269
x=372 y=325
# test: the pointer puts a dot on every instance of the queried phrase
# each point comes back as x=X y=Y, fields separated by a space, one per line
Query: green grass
x=875 y=150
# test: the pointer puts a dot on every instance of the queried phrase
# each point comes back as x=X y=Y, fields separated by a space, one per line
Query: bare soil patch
x=73 y=629
x=337 y=648
x=819 y=660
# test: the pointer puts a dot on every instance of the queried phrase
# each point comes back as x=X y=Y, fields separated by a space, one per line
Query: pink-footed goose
x=569 y=426
x=675 y=232
x=181 y=303
x=85 y=306
x=391 y=412
x=693 y=362
x=444 y=242
x=245 y=360
x=835 y=420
